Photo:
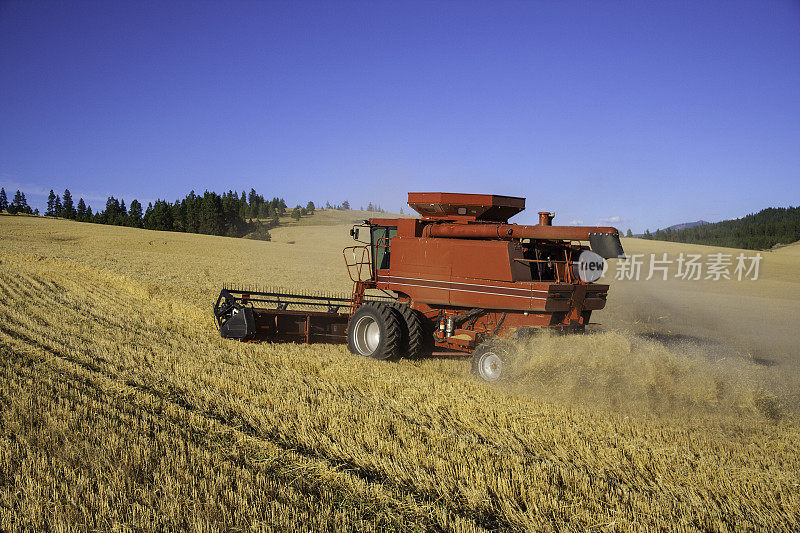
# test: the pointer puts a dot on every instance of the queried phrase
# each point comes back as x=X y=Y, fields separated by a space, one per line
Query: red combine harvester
x=454 y=280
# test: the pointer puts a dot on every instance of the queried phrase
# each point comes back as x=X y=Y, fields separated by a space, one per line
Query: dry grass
x=120 y=407
x=331 y=217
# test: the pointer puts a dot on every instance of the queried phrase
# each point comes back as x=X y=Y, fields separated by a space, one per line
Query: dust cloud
x=660 y=374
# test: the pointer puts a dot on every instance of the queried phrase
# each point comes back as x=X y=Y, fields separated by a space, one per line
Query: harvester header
x=456 y=279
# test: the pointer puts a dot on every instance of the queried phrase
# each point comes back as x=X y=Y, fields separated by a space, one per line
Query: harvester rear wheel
x=411 y=330
x=374 y=331
x=491 y=361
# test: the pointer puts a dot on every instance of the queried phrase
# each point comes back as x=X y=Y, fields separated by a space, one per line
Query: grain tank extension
x=453 y=280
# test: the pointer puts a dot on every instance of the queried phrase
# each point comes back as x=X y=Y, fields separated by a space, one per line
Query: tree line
x=230 y=214
x=373 y=208
x=344 y=206
x=758 y=231
x=18 y=205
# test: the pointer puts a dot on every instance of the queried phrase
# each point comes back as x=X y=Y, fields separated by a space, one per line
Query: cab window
x=381 y=240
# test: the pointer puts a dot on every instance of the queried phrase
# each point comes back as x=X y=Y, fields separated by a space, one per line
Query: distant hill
x=687 y=225
x=676 y=227
x=757 y=231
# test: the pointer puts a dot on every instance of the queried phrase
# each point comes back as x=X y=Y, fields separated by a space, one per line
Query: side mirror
x=354 y=233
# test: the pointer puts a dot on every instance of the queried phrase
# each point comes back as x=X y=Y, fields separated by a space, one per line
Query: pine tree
x=628 y=234
x=253 y=201
x=68 y=208
x=178 y=223
x=3 y=200
x=112 y=212
x=19 y=204
x=211 y=214
x=297 y=213
x=244 y=209
x=310 y=207
x=51 y=204
x=57 y=207
x=191 y=212
x=135 y=213
x=80 y=215
x=346 y=205
x=159 y=217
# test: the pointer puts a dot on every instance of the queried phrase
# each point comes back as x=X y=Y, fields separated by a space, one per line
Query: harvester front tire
x=374 y=331
x=491 y=362
x=411 y=343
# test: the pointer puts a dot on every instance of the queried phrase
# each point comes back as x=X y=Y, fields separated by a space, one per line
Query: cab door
x=381 y=246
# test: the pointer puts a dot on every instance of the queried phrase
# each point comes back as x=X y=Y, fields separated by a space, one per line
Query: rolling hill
x=121 y=408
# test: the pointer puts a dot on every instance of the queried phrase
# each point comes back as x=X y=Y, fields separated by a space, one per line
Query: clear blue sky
x=652 y=112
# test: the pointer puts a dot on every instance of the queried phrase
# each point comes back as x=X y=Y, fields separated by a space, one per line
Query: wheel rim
x=490 y=366
x=367 y=335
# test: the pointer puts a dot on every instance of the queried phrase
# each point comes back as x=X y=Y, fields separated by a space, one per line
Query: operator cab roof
x=466 y=207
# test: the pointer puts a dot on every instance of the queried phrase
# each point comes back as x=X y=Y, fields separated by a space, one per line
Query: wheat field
x=122 y=409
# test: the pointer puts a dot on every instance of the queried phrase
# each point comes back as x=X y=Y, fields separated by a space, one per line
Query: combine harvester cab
x=454 y=280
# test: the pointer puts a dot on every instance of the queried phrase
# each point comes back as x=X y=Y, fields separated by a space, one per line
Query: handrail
x=356 y=266
x=365 y=259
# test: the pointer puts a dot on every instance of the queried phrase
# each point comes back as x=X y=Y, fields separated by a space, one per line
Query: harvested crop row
x=93 y=452
x=418 y=433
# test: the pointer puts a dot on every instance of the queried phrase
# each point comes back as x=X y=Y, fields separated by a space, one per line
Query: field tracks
x=34 y=346
x=138 y=407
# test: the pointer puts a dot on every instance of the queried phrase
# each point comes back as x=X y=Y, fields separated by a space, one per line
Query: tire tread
x=390 y=346
x=413 y=342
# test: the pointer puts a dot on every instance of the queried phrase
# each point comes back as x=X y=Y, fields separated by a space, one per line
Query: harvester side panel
x=472 y=293
x=488 y=260
x=467 y=292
